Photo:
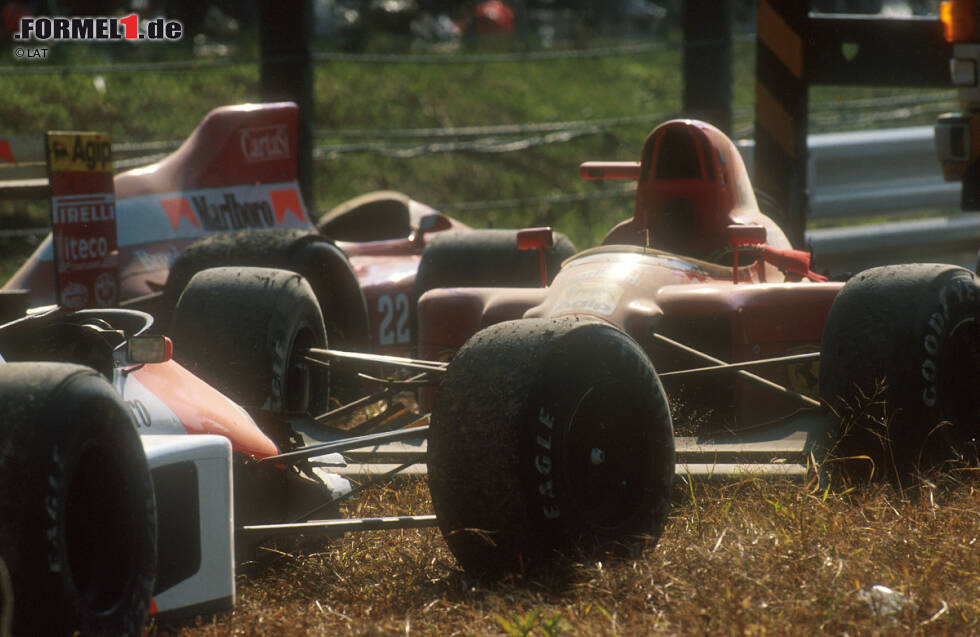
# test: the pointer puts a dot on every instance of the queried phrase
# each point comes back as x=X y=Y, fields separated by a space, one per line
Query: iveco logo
x=265 y=143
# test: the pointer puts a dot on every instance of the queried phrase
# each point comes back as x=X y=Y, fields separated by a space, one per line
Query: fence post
x=708 y=61
x=286 y=35
x=781 y=111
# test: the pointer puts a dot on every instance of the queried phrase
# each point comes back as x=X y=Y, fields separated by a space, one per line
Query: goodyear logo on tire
x=79 y=152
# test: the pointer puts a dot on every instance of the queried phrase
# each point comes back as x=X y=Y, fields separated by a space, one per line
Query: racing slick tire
x=480 y=258
x=321 y=263
x=900 y=367
x=77 y=512
x=244 y=330
x=548 y=436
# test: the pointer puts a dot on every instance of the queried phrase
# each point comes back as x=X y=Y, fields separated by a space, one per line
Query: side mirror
x=149 y=348
x=537 y=239
x=743 y=235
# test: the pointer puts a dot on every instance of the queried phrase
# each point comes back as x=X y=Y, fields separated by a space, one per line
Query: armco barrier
x=864 y=173
x=859 y=175
x=953 y=239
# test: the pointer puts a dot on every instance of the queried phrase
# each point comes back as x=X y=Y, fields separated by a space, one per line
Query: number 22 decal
x=389 y=334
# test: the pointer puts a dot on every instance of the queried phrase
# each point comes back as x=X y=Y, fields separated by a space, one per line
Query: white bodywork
x=213 y=585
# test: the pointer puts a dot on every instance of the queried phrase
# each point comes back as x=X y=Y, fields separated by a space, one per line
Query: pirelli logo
x=79 y=152
x=781 y=109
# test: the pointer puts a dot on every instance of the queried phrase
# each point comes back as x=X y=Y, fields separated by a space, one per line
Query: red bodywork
x=186 y=404
x=237 y=171
x=686 y=211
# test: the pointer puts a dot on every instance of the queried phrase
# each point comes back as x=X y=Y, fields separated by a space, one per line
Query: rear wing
x=78 y=181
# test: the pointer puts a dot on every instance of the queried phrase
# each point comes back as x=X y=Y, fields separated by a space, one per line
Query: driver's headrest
x=692 y=179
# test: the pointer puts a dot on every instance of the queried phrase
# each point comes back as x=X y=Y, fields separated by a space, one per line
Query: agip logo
x=83 y=219
x=79 y=152
x=265 y=143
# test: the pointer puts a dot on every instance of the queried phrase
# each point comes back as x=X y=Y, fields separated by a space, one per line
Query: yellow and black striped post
x=781 y=113
x=795 y=50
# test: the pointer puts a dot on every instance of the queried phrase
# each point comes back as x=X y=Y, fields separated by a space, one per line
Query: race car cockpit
x=692 y=186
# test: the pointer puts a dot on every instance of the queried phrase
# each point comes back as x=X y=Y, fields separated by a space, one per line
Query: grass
x=746 y=557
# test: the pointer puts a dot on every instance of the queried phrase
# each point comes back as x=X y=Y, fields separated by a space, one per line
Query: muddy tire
x=324 y=266
x=77 y=514
x=243 y=331
x=900 y=365
x=548 y=436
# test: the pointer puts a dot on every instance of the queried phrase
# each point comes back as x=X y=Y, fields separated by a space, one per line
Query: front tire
x=900 y=363
x=244 y=331
x=548 y=435
x=77 y=513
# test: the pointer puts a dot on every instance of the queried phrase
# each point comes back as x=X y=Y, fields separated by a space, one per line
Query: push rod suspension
x=347 y=444
x=398 y=361
x=762 y=382
x=731 y=367
x=342 y=525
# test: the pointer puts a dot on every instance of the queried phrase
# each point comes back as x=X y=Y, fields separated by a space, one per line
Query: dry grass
x=745 y=557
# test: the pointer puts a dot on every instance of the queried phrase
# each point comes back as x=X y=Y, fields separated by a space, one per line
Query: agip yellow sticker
x=79 y=152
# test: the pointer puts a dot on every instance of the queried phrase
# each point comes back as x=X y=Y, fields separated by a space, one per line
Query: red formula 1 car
x=559 y=392
x=228 y=197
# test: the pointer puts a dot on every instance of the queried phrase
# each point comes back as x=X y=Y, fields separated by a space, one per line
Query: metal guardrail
x=854 y=177
x=862 y=173
x=953 y=239
x=868 y=172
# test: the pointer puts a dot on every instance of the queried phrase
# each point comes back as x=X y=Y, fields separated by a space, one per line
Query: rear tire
x=548 y=435
x=480 y=258
x=77 y=514
x=324 y=266
x=243 y=330
x=900 y=364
